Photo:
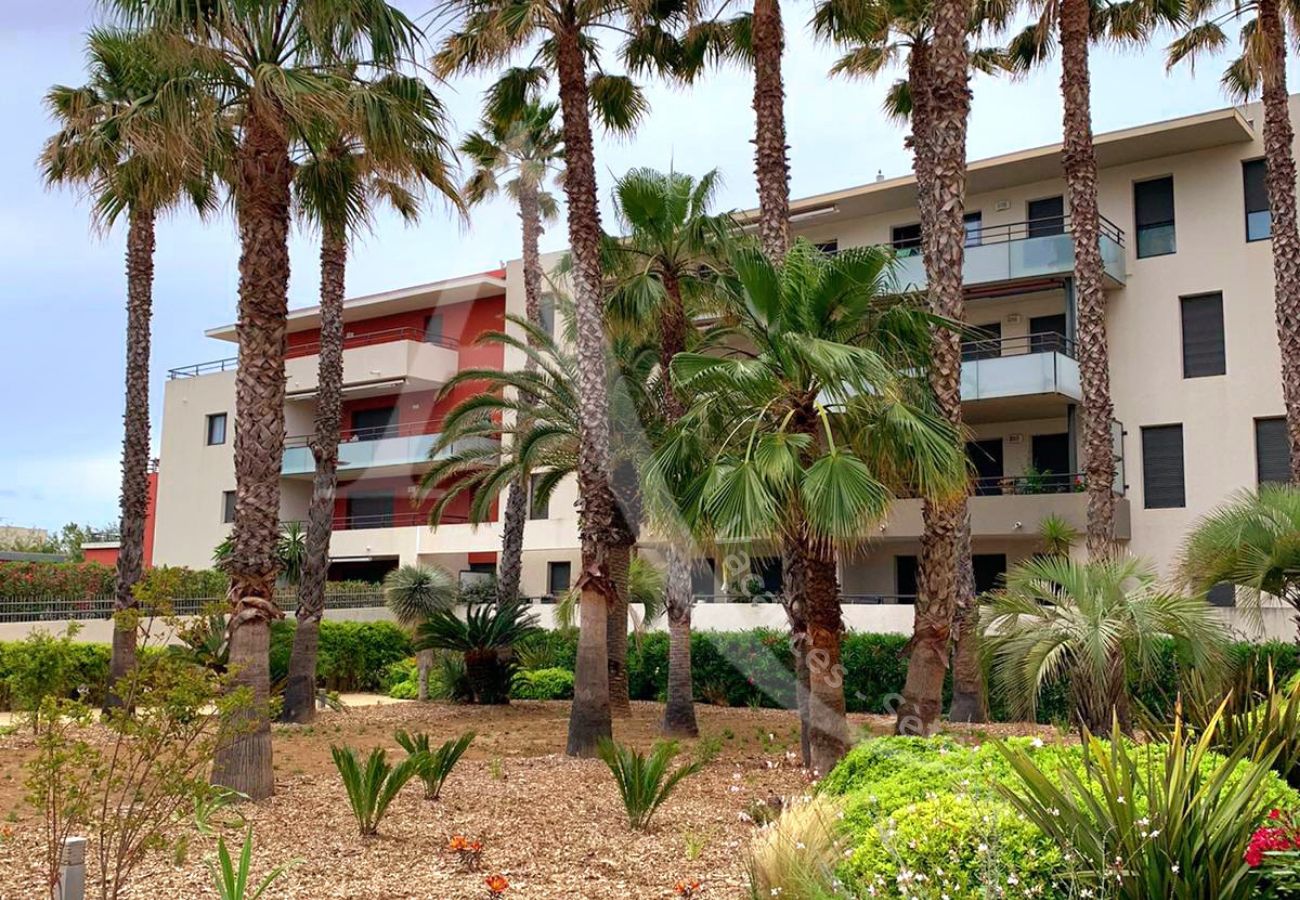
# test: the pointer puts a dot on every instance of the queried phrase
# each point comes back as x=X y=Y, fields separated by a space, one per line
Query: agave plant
x=437 y=764
x=484 y=637
x=413 y=594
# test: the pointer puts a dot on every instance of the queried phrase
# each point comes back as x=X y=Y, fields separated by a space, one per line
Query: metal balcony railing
x=1038 y=342
x=51 y=608
x=1048 y=226
x=1028 y=484
x=387 y=336
x=849 y=599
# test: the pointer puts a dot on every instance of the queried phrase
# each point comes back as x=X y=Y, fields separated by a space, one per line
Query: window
x=906 y=578
x=974 y=224
x=537 y=508
x=227 y=507
x=216 y=429
x=433 y=329
x=370 y=511
x=1046 y=217
x=906 y=239
x=557 y=578
x=546 y=313
x=373 y=424
x=1047 y=334
x=1272 y=451
x=1259 y=223
x=1162 y=467
x=985 y=343
x=830 y=248
x=1203 y=352
x=702 y=578
x=986 y=459
x=1153 y=213
x=1222 y=594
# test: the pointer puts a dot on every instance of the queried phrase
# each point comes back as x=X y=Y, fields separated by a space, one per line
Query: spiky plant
x=372 y=787
x=644 y=781
x=436 y=764
x=1057 y=535
x=486 y=630
x=413 y=594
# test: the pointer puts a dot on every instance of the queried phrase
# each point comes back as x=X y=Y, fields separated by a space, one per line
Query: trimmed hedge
x=81 y=580
x=353 y=656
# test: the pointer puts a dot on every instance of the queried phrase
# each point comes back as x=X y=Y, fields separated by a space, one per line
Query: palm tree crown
x=524 y=146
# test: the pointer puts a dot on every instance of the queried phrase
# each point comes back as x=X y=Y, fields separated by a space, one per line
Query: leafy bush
x=371 y=789
x=66 y=579
x=42 y=665
x=644 y=782
x=400 y=679
x=484 y=637
x=542 y=684
x=435 y=765
x=353 y=656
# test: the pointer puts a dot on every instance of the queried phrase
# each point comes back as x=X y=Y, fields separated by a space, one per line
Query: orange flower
x=475 y=847
x=457 y=843
x=496 y=884
x=686 y=889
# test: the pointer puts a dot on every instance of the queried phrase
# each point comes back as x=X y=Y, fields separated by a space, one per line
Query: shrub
x=542 y=684
x=435 y=765
x=371 y=789
x=353 y=656
x=42 y=665
x=644 y=782
x=484 y=637
x=796 y=856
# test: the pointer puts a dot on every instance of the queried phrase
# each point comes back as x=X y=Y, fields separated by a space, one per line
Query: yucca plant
x=436 y=765
x=644 y=782
x=413 y=594
x=373 y=787
x=1175 y=827
x=484 y=637
x=233 y=881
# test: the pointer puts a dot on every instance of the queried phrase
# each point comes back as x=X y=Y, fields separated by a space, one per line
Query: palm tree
x=1261 y=68
x=565 y=34
x=1075 y=24
x=663 y=273
x=276 y=68
x=391 y=148
x=1251 y=542
x=523 y=145
x=1092 y=625
x=815 y=421
x=415 y=595
x=109 y=133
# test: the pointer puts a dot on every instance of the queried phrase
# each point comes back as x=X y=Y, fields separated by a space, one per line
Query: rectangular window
x=216 y=429
x=227 y=507
x=906 y=239
x=702 y=578
x=557 y=578
x=546 y=313
x=906 y=578
x=1272 y=451
x=1153 y=214
x=974 y=225
x=1047 y=334
x=984 y=343
x=373 y=424
x=1203 y=352
x=433 y=329
x=1046 y=217
x=373 y=510
x=1162 y=467
x=830 y=248
x=1259 y=222
x=538 y=508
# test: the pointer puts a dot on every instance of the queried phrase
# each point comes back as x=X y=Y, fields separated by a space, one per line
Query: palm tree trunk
x=679 y=711
x=771 y=168
x=243 y=762
x=1079 y=160
x=620 y=702
x=792 y=599
x=1279 y=165
x=423 y=666
x=589 y=720
x=828 y=729
x=968 y=700
x=140 y=241
x=300 y=690
x=516 y=515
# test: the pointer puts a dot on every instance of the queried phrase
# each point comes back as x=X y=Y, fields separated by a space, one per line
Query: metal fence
x=56 y=609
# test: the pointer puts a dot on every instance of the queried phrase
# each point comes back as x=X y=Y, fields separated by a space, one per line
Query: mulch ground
x=554 y=826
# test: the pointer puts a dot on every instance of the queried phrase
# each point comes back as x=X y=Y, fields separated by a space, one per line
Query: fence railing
x=57 y=609
x=850 y=599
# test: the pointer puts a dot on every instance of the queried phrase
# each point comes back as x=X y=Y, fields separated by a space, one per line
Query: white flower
x=1119 y=799
x=799 y=845
x=1012 y=880
x=1175 y=868
x=1155 y=832
x=1036 y=742
x=776 y=892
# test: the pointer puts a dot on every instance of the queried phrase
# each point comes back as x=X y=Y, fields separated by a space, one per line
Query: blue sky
x=62 y=295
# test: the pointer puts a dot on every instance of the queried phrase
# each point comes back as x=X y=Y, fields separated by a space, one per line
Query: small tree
x=414 y=594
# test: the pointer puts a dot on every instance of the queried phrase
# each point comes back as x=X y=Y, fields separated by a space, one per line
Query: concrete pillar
x=72 y=871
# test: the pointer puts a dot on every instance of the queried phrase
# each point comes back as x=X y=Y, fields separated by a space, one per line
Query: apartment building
x=1194 y=372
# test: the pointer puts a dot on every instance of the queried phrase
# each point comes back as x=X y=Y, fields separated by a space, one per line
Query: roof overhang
x=420 y=296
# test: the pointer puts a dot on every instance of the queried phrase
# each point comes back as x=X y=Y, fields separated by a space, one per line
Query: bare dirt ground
x=553 y=826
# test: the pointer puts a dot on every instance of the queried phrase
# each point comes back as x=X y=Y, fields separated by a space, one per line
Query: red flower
x=496 y=884
x=1268 y=840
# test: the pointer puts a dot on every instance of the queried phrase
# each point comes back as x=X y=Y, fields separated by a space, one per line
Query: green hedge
x=353 y=656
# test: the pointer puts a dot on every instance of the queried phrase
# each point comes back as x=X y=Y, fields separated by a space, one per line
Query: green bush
x=42 y=665
x=643 y=780
x=353 y=656
x=542 y=684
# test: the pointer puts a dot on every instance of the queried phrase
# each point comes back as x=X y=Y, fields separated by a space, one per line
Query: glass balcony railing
x=367 y=448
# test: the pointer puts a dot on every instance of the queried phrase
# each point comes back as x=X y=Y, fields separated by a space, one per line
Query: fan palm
x=1261 y=68
x=391 y=147
x=109 y=133
x=563 y=35
x=1251 y=542
x=1092 y=625
x=523 y=146
x=484 y=637
x=278 y=69
x=806 y=429
x=414 y=595
x=1075 y=24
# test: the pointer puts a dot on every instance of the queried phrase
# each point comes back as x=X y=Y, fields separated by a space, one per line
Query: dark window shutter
x=1203 y=352
x=1162 y=467
x=1256 y=186
x=1272 y=452
x=1153 y=202
x=1222 y=594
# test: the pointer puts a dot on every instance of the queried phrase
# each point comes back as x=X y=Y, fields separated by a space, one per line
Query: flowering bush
x=1274 y=852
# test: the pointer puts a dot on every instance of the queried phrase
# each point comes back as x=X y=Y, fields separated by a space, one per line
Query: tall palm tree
x=109 y=138
x=276 y=68
x=1075 y=24
x=523 y=146
x=1091 y=624
x=663 y=272
x=1261 y=68
x=565 y=36
x=392 y=147
x=414 y=595
x=816 y=419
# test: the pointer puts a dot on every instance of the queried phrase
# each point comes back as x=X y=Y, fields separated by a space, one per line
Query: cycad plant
x=413 y=594
x=484 y=637
x=1092 y=625
x=373 y=785
x=437 y=764
x=644 y=781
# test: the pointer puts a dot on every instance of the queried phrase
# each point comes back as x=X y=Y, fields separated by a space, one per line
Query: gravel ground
x=554 y=826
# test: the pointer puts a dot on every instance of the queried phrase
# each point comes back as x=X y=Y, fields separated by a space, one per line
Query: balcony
x=386 y=450
x=1021 y=251
x=1024 y=376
